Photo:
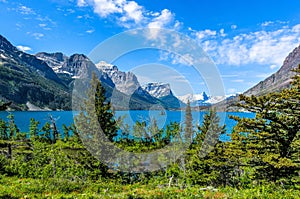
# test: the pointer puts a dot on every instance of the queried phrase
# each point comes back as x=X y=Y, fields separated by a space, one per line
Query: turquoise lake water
x=22 y=118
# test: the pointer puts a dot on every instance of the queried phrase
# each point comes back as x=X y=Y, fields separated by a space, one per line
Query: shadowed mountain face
x=45 y=81
x=24 y=79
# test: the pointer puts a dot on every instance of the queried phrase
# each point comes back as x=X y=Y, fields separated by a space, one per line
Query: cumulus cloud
x=130 y=14
x=133 y=11
x=81 y=3
x=261 y=47
x=205 y=33
x=24 y=48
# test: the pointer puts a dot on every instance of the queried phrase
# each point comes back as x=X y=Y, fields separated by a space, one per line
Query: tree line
x=262 y=150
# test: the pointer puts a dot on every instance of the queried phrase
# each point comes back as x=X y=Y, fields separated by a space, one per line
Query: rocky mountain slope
x=158 y=89
x=163 y=92
x=24 y=79
x=45 y=81
x=279 y=80
x=276 y=82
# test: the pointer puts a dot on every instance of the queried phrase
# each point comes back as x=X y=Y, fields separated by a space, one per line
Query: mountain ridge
x=50 y=76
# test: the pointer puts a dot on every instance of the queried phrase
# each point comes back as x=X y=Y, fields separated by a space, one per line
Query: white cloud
x=37 y=35
x=232 y=91
x=158 y=22
x=272 y=67
x=161 y=20
x=185 y=59
x=106 y=7
x=25 y=10
x=81 y=3
x=203 y=34
x=222 y=33
x=133 y=12
x=260 y=47
x=263 y=75
x=237 y=80
x=233 y=27
x=130 y=14
x=90 y=31
x=267 y=23
x=24 y=48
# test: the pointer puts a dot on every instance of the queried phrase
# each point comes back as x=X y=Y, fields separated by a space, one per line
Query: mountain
x=279 y=80
x=45 y=81
x=28 y=81
x=163 y=92
x=193 y=98
x=158 y=89
x=275 y=82
x=127 y=83
x=121 y=87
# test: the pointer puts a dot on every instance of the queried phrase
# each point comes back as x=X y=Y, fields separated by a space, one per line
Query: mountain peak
x=158 y=89
x=106 y=67
x=6 y=45
x=126 y=82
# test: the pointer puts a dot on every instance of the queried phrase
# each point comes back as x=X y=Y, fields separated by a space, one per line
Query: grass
x=12 y=187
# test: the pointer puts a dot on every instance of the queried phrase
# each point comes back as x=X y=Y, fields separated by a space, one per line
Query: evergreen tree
x=96 y=125
x=273 y=135
x=206 y=164
x=33 y=128
x=188 y=128
x=103 y=110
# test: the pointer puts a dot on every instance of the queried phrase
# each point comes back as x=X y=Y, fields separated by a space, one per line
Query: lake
x=22 y=118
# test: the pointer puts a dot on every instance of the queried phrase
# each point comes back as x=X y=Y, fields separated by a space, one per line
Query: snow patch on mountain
x=158 y=89
x=126 y=82
x=193 y=97
x=202 y=99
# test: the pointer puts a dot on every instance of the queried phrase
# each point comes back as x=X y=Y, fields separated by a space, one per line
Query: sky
x=246 y=40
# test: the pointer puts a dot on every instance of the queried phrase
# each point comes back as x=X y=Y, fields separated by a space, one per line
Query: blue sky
x=247 y=40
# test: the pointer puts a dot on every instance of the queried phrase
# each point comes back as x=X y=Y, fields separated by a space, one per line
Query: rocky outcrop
x=126 y=82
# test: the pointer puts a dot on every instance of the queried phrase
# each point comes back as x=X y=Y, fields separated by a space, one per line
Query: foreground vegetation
x=13 y=187
x=262 y=159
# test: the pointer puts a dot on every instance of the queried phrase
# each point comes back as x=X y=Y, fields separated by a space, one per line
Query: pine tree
x=96 y=125
x=188 y=128
x=103 y=110
x=272 y=137
x=206 y=164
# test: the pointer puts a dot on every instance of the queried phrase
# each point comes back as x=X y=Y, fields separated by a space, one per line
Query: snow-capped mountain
x=158 y=89
x=193 y=97
x=77 y=65
x=202 y=99
x=126 y=82
x=54 y=60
